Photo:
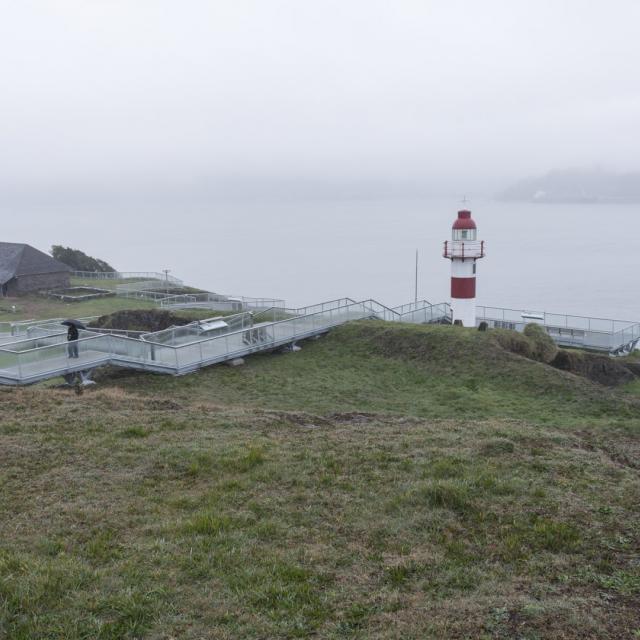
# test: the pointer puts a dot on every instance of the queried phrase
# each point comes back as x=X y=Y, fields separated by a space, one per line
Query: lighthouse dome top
x=464 y=220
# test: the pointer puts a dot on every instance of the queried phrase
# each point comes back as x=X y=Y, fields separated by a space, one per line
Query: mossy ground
x=384 y=482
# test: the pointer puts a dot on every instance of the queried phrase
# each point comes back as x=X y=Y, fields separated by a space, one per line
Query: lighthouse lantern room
x=464 y=250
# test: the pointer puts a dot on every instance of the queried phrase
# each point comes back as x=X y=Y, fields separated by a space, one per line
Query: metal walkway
x=35 y=350
x=617 y=337
x=39 y=350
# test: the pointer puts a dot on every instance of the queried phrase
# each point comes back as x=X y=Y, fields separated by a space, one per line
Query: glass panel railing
x=199 y=331
x=626 y=336
x=49 y=360
x=9 y=365
x=121 y=347
x=283 y=331
x=126 y=275
x=566 y=329
x=46 y=353
x=216 y=349
x=412 y=306
x=322 y=306
x=189 y=354
x=164 y=356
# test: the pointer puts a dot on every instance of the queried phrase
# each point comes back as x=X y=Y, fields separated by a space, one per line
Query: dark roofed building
x=24 y=269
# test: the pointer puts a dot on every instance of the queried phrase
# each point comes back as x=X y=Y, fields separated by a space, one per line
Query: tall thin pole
x=416 y=289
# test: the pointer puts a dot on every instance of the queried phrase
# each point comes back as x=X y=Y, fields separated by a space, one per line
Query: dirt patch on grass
x=353 y=417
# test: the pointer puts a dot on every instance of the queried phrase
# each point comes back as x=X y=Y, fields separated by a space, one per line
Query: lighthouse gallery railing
x=464 y=249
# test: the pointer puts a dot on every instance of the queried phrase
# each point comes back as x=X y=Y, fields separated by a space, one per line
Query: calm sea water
x=580 y=259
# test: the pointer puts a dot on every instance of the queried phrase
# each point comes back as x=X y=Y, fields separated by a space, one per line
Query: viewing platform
x=42 y=350
x=617 y=337
x=31 y=351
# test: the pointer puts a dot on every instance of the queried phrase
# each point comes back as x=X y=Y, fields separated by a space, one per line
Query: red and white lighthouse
x=464 y=250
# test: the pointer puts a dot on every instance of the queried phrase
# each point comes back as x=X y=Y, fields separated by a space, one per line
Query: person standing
x=72 y=338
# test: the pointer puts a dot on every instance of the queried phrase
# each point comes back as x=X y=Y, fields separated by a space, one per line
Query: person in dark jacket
x=72 y=337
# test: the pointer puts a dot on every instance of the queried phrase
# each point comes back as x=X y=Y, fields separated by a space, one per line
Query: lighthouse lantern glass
x=465 y=234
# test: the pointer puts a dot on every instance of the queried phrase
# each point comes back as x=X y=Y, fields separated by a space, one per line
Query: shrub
x=78 y=260
x=514 y=342
x=535 y=343
x=544 y=348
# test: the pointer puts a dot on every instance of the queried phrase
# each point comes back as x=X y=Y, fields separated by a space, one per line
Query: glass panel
x=9 y=365
x=464 y=234
x=64 y=356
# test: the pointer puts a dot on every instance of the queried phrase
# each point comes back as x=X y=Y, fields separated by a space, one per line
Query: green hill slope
x=428 y=371
x=385 y=482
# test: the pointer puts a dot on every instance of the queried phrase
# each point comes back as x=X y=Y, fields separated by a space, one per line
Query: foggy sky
x=122 y=98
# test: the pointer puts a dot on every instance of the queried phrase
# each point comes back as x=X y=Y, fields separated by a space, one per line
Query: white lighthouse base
x=464 y=309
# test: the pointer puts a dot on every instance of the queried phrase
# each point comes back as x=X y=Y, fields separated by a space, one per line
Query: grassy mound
x=426 y=371
x=535 y=343
x=141 y=320
x=544 y=348
x=35 y=306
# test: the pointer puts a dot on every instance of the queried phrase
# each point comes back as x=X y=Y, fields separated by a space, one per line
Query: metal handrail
x=443 y=306
x=124 y=275
x=49 y=346
x=170 y=346
x=464 y=249
x=413 y=306
x=145 y=352
x=604 y=334
x=569 y=315
x=204 y=297
x=549 y=315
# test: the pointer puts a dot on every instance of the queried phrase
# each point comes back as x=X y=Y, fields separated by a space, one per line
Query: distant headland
x=576 y=186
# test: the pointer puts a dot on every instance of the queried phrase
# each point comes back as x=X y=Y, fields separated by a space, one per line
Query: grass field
x=384 y=482
x=113 y=284
x=38 y=307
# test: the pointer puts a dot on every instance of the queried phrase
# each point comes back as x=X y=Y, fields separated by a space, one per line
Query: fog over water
x=306 y=149
x=578 y=259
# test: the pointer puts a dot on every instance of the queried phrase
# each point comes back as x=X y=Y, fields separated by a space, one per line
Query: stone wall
x=30 y=283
